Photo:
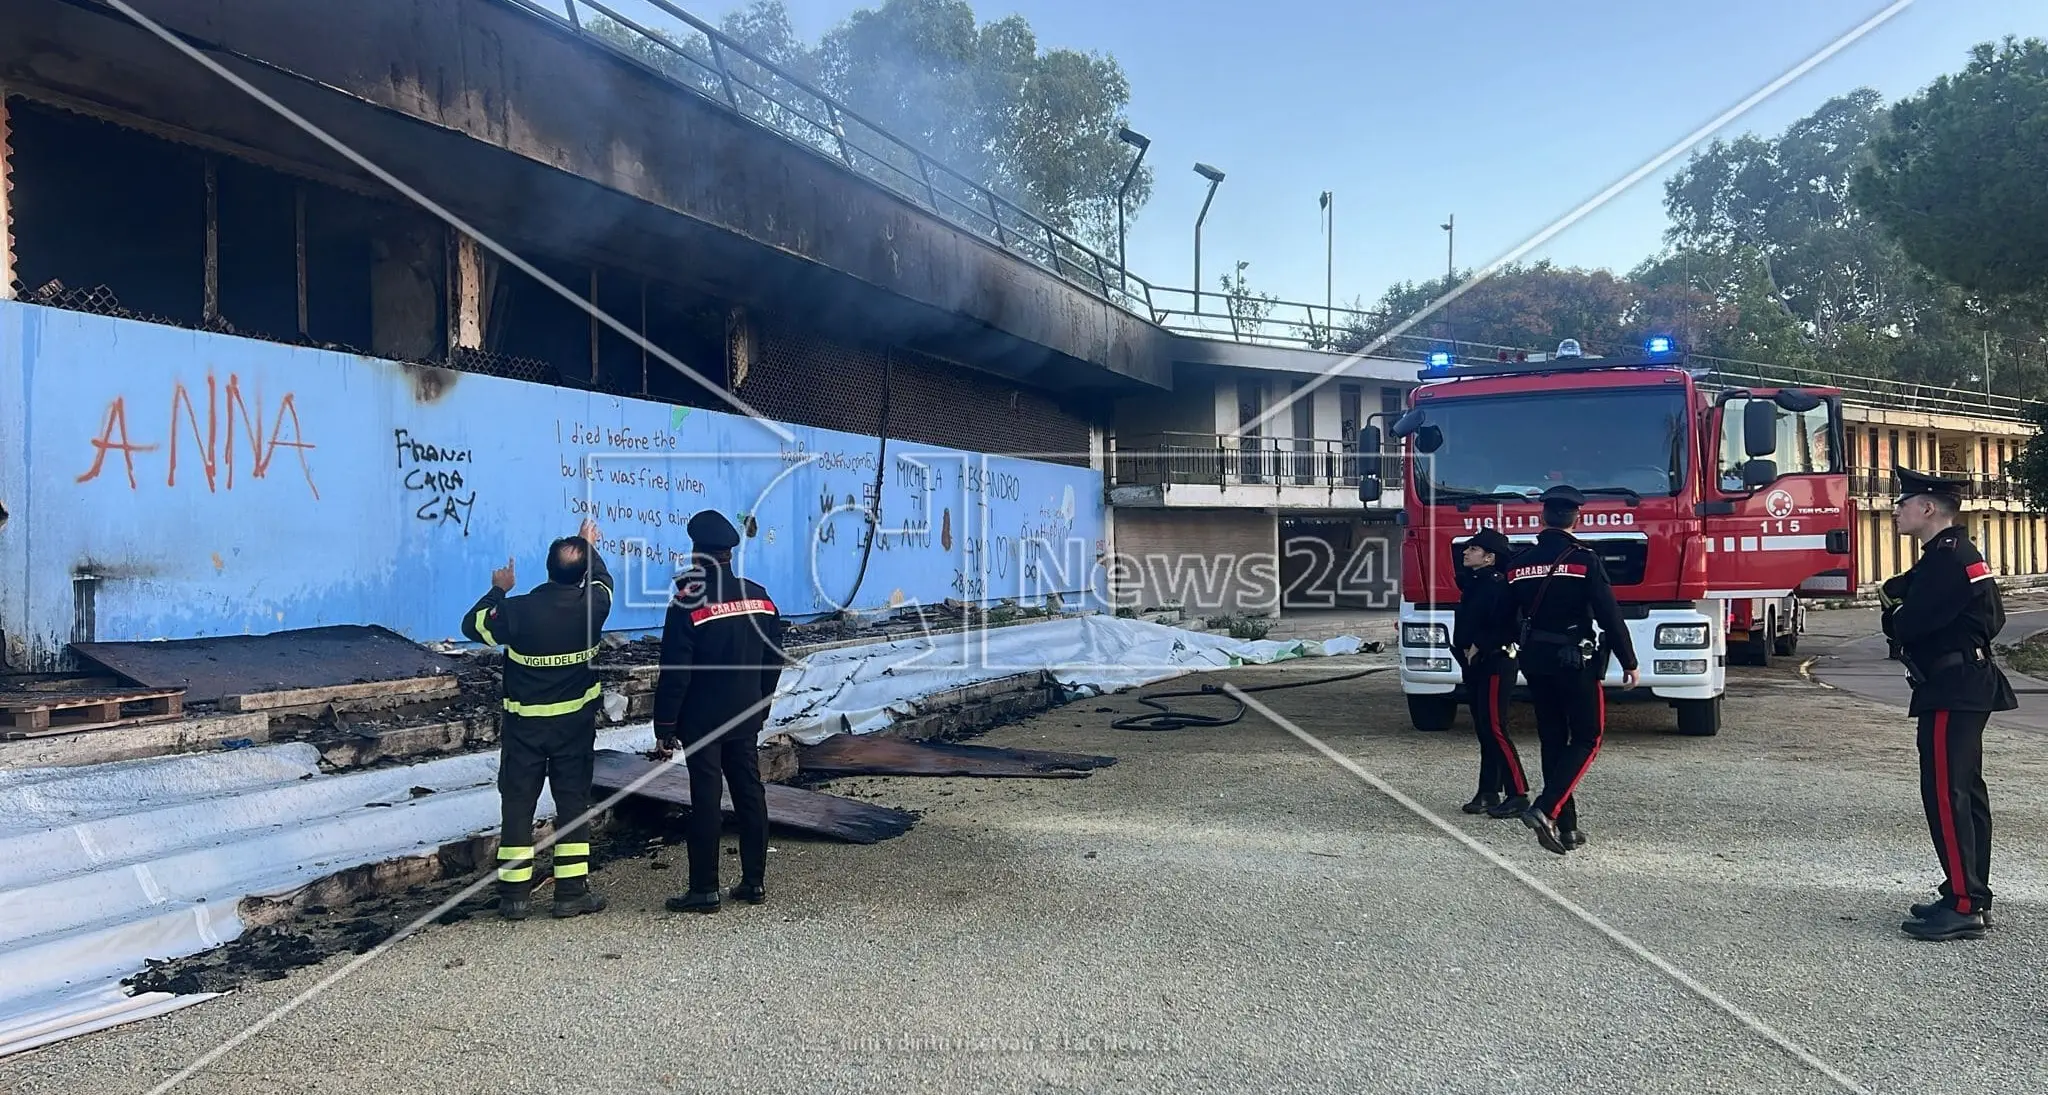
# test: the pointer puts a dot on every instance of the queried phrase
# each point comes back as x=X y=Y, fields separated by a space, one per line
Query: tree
x=1960 y=177
x=1536 y=306
x=1037 y=128
x=2029 y=470
x=1248 y=310
x=1040 y=129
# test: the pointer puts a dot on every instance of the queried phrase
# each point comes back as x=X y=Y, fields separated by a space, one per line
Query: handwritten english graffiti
x=446 y=504
x=226 y=408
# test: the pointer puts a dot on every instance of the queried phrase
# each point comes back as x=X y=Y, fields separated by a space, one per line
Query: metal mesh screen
x=807 y=379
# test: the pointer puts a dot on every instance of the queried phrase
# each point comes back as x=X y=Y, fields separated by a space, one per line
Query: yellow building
x=1944 y=435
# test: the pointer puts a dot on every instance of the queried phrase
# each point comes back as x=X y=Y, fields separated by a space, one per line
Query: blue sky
x=1507 y=113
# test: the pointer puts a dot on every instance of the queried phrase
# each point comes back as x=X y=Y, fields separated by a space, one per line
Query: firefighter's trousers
x=559 y=751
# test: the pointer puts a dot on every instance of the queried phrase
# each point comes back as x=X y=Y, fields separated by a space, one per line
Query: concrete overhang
x=1229 y=353
x=541 y=139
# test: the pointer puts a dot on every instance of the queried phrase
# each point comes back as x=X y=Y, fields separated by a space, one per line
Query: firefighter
x=721 y=658
x=548 y=732
x=1941 y=617
x=1482 y=631
x=1560 y=589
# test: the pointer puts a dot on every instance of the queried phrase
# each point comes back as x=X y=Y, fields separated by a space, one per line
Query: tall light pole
x=1214 y=176
x=1330 y=260
x=1450 y=227
x=1140 y=142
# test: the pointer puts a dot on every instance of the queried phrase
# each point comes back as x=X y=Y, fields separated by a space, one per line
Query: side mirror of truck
x=1369 y=465
x=1759 y=473
x=1760 y=428
x=1429 y=439
x=1409 y=423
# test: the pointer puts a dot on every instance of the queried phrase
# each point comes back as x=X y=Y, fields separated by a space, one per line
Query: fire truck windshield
x=1619 y=441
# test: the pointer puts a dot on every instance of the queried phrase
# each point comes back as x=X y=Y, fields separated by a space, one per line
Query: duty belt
x=1536 y=636
x=1917 y=674
x=1960 y=657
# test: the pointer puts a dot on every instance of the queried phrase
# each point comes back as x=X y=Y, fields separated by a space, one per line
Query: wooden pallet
x=38 y=714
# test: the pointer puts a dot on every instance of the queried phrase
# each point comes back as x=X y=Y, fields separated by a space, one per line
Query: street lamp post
x=1214 y=176
x=1450 y=227
x=1330 y=261
x=1140 y=142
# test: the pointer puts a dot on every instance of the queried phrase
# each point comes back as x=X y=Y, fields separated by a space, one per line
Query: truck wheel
x=1433 y=713
x=1699 y=718
x=1763 y=645
x=1787 y=645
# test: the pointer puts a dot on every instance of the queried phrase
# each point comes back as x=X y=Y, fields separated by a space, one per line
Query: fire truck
x=1700 y=498
x=1761 y=628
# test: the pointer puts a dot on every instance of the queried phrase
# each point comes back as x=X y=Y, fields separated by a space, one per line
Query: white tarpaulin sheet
x=107 y=866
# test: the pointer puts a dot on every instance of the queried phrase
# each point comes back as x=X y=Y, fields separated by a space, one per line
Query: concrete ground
x=1228 y=910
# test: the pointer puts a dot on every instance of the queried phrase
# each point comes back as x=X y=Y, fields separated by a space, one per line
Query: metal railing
x=713 y=64
x=1867 y=483
x=1217 y=460
x=1716 y=373
x=755 y=87
x=728 y=72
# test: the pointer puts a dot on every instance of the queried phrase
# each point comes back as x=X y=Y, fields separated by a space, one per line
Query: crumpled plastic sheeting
x=863 y=689
x=116 y=864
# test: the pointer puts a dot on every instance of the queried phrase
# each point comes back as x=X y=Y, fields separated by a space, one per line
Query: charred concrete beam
x=540 y=138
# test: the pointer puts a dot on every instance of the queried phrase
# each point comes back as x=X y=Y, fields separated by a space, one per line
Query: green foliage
x=1961 y=176
x=1777 y=253
x=2029 y=470
x=1037 y=127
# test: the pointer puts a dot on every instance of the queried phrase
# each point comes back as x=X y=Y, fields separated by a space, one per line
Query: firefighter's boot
x=574 y=897
x=515 y=900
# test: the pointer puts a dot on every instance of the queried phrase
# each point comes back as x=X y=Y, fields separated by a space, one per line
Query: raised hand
x=502 y=577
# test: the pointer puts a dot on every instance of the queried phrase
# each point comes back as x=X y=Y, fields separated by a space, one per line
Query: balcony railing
x=1221 y=460
x=1865 y=483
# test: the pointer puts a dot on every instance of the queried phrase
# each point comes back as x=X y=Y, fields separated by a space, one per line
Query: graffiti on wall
x=266 y=487
x=214 y=446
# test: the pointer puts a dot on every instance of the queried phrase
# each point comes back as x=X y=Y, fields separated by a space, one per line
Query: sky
x=1507 y=114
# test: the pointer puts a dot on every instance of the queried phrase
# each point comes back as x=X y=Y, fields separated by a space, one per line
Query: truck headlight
x=1682 y=635
x=1424 y=635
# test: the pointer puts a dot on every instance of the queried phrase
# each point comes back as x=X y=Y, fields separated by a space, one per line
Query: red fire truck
x=1697 y=498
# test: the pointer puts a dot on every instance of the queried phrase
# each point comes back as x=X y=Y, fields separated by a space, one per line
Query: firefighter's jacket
x=721 y=655
x=551 y=635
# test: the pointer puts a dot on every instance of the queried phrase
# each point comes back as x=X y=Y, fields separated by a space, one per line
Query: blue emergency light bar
x=1662 y=352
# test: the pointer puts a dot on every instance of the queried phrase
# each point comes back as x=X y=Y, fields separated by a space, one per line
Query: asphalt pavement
x=1847 y=651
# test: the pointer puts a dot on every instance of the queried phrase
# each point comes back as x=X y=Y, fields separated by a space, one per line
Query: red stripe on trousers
x=1599 y=737
x=1500 y=735
x=1951 y=845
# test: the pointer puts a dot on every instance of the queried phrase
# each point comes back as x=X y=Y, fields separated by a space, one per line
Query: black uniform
x=1481 y=631
x=1560 y=588
x=721 y=657
x=548 y=731
x=1941 y=617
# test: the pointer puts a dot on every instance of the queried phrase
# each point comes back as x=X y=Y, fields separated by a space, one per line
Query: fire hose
x=1168 y=719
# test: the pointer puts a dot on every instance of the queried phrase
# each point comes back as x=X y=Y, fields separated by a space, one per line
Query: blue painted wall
x=218 y=485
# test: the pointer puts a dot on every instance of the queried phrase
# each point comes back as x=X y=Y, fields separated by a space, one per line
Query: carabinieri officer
x=1482 y=630
x=1941 y=617
x=1561 y=589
